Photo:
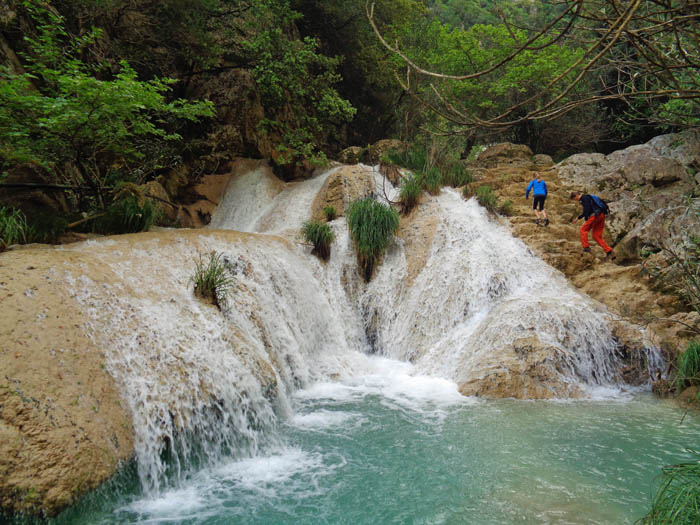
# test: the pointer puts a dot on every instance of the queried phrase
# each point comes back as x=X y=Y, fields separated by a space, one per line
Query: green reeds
x=487 y=198
x=13 y=228
x=330 y=213
x=211 y=279
x=677 y=501
x=410 y=192
x=688 y=367
x=320 y=235
x=127 y=215
x=372 y=226
x=456 y=175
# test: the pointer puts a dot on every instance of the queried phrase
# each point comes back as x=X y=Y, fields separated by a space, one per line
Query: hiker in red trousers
x=594 y=211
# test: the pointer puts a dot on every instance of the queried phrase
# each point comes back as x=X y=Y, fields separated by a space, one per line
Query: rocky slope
x=647 y=188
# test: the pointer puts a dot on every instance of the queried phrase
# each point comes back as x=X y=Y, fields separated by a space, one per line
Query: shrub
x=410 y=193
x=432 y=181
x=47 y=227
x=320 y=235
x=13 y=228
x=678 y=498
x=127 y=215
x=211 y=281
x=688 y=367
x=506 y=208
x=414 y=158
x=372 y=225
x=457 y=175
x=330 y=213
x=486 y=197
x=468 y=191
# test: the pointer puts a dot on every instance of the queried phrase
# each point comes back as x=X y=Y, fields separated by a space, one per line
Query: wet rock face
x=650 y=188
x=347 y=184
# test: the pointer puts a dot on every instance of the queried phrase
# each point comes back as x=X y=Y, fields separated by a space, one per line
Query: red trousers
x=597 y=224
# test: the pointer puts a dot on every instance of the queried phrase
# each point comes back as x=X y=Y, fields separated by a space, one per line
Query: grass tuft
x=372 y=226
x=678 y=499
x=13 y=228
x=506 y=208
x=457 y=175
x=414 y=158
x=487 y=198
x=409 y=195
x=330 y=213
x=127 y=215
x=320 y=235
x=432 y=181
x=211 y=280
x=688 y=367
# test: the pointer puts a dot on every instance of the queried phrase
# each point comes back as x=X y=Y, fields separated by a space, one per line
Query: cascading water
x=237 y=413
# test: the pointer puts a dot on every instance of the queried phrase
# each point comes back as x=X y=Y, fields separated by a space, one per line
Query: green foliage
x=330 y=213
x=211 y=279
x=432 y=181
x=677 y=501
x=456 y=175
x=372 y=226
x=487 y=198
x=414 y=158
x=688 y=367
x=13 y=228
x=46 y=227
x=410 y=192
x=85 y=122
x=320 y=235
x=127 y=215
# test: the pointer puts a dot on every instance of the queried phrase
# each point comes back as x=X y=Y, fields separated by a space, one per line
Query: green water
x=366 y=455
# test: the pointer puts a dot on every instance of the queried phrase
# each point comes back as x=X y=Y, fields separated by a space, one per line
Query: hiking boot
x=587 y=250
x=610 y=256
x=546 y=222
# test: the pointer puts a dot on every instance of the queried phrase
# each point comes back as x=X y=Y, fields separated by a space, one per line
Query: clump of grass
x=211 y=280
x=688 y=367
x=457 y=175
x=487 y=198
x=432 y=181
x=47 y=227
x=320 y=235
x=127 y=215
x=410 y=193
x=13 y=228
x=414 y=158
x=506 y=208
x=468 y=191
x=678 y=498
x=372 y=226
x=330 y=213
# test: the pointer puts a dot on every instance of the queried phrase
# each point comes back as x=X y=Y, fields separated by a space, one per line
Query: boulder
x=352 y=155
x=505 y=153
x=380 y=147
x=343 y=186
x=542 y=162
x=648 y=187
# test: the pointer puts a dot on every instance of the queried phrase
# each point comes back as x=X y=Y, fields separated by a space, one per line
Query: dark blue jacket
x=537 y=187
x=589 y=207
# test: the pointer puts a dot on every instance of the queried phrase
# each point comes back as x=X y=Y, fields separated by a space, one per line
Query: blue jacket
x=538 y=188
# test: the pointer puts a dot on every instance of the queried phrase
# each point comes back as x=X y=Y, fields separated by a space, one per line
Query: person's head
x=576 y=195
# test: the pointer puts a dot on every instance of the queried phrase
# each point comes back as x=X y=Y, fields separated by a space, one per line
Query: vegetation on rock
x=372 y=225
x=320 y=235
x=678 y=498
x=211 y=279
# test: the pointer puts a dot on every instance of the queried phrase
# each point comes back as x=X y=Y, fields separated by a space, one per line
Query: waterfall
x=202 y=384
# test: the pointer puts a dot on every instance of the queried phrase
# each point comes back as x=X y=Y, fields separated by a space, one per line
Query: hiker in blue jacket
x=539 y=194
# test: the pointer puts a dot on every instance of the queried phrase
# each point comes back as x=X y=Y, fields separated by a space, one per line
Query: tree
x=89 y=124
x=642 y=50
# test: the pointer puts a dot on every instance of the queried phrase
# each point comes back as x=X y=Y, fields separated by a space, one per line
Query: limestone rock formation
x=345 y=185
x=650 y=188
x=505 y=153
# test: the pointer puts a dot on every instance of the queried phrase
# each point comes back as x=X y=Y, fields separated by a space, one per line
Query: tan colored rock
x=63 y=429
x=525 y=369
x=345 y=185
x=542 y=162
x=505 y=153
x=351 y=155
